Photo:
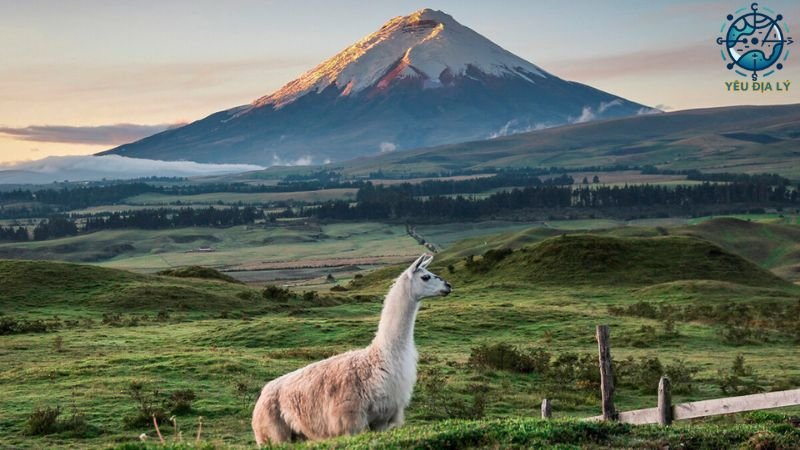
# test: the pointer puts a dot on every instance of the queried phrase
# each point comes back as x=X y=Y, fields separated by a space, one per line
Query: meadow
x=105 y=344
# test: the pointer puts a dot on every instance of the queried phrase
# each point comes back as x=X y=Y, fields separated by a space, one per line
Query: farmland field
x=247 y=198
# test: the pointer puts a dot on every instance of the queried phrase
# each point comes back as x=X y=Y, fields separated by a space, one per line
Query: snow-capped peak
x=428 y=44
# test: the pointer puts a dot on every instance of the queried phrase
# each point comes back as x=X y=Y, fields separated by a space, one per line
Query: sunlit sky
x=78 y=76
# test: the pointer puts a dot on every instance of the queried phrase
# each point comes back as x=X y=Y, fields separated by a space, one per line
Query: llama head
x=423 y=283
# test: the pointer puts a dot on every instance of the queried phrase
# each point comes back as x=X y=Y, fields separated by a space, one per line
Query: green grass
x=218 y=335
x=602 y=260
x=773 y=243
x=239 y=247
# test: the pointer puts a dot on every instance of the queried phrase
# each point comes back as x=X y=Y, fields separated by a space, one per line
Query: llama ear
x=421 y=262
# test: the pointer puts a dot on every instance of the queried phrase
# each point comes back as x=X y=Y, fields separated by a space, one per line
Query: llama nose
x=447 y=285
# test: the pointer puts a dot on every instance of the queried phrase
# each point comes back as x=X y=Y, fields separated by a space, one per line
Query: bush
x=740 y=379
x=681 y=375
x=180 y=401
x=146 y=406
x=643 y=374
x=503 y=356
x=439 y=401
x=10 y=325
x=276 y=293
x=42 y=421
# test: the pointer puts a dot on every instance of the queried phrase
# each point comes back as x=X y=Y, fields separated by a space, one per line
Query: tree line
x=155 y=219
x=147 y=219
x=392 y=202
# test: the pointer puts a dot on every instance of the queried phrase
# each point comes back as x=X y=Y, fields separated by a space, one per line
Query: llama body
x=365 y=389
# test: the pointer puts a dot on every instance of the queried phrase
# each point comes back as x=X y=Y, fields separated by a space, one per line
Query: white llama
x=366 y=389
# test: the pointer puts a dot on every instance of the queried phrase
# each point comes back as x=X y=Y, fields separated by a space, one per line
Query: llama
x=365 y=389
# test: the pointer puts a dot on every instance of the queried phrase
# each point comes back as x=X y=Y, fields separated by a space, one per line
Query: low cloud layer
x=388 y=147
x=306 y=160
x=88 y=168
x=121 y=133
x=515 y=126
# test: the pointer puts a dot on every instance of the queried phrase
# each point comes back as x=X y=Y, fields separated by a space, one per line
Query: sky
x=81 y=76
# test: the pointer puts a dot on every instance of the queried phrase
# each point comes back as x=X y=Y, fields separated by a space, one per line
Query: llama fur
x=357 y=391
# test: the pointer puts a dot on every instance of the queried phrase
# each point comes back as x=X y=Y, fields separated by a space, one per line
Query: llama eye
x=425 y=277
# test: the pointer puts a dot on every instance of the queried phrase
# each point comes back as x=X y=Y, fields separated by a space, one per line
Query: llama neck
x=396 y=328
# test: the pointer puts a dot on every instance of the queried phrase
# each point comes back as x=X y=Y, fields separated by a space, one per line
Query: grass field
x=243 y=247
x=224 y=340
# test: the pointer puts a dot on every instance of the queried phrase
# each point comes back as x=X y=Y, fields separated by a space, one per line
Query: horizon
x=68 y=93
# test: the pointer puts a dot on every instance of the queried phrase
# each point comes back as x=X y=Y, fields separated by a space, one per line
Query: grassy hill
x=773 y=246
x=30 y=286
x=676 y=304
x=706 y=139
x=603 y=260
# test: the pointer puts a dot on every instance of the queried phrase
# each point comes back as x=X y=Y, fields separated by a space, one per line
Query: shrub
x=180 y=401
x=740 y=379
x=503 y=356
x=10 y=325
x=643 y=374
x=43 y=421
x=276 y=293
x=146 y=406
x=440 y=401
x=245 y=392
x=681 y=375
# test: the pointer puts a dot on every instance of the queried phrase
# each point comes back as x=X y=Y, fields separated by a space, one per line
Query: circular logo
x=754 y=41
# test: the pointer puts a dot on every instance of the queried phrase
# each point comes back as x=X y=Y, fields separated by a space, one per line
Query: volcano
x=420 y=80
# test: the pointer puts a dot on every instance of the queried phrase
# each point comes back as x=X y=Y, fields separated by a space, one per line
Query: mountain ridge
x=751 y=139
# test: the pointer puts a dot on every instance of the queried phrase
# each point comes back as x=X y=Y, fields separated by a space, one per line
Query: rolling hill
x=752 y=139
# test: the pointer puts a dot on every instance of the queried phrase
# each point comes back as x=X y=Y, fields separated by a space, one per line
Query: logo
x=755 y=43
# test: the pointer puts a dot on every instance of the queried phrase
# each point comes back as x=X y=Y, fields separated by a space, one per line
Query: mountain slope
x=733 y=139
x=420 y=80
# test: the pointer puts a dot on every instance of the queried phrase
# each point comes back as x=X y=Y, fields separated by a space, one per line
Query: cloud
x=306 y=160
x=645 y=111
x=514 y=126
x=87 y=168
x=586 y=116
x=608 y=105
x=116 y=134
x=387 y=147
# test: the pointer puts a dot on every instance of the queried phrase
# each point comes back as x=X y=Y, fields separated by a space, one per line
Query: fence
x=665 y=413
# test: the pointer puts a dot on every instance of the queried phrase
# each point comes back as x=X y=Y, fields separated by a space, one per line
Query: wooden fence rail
x=705 y=408
x=666 y=412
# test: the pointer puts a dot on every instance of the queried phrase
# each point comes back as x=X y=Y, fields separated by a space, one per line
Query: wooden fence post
x=664 y=402
x=606 y=372
x=547 y=410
